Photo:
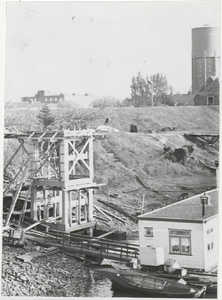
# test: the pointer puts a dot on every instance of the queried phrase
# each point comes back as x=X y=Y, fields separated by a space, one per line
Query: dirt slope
x=122 y=157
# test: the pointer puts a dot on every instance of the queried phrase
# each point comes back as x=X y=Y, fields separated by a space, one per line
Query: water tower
x=205 y=55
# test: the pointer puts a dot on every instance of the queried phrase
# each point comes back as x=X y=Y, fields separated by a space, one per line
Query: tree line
x=148 y=91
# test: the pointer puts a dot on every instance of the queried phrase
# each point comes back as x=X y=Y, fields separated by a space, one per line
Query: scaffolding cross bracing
x=60 y=177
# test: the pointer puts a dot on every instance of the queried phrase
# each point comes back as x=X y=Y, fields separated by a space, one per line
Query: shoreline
x=42 y=276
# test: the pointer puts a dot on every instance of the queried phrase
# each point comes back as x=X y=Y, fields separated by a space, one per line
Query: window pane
x=148 y=231
x=175 y=245
x=185 y=245
x=180 y=232
x=210 y=240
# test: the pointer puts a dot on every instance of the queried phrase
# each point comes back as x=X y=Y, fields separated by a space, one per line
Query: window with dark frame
x=210 y=100
x=210 y=240
x=180 y=241
x=148 y=231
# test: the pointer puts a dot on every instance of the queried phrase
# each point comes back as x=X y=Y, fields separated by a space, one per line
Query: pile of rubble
x=43 y=276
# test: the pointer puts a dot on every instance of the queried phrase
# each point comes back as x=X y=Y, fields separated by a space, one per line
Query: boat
x=211 y=286
x=192 y=279
x=150 y=286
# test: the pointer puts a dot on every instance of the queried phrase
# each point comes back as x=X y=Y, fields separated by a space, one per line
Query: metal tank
x=205 y=55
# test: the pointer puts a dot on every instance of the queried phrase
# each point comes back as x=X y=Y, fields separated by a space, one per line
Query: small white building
x=187 y=230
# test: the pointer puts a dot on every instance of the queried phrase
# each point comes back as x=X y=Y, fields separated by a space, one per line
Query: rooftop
x=212 y=86
x=183 y=99
x=188 y=209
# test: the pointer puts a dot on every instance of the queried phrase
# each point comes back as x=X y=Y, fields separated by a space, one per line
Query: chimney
x=217 y=173
x=205 y=200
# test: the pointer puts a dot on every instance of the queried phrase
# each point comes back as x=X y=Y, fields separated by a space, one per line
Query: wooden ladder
x=15 y=198
x=22 y=215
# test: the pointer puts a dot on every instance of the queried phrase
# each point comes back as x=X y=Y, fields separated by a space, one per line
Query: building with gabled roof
x=209 y=94
x=187 y=231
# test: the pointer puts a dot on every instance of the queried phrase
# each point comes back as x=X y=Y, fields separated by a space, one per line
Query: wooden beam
x=116 y=207
x=105 y=234
x=100 y=218
x=109 y=213
x=131 y=190
x=14 y=154
x=31 y=226
x=102 y=212
x=142 y=182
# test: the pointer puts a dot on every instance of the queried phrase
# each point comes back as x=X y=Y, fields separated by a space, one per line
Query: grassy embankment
x=120 y=157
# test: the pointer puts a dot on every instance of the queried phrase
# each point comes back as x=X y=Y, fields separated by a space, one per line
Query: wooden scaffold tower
x=59 y=172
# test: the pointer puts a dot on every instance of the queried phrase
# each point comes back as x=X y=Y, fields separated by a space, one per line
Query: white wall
x=161 y=238
x=212 y=256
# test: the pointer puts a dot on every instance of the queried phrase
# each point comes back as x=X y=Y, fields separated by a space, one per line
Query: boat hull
x=193 y=280
x=171 y=289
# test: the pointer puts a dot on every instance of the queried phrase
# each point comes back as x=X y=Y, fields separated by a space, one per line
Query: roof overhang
x=200 y=221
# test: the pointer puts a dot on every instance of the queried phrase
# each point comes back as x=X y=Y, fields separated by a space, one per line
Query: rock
x=23 y=277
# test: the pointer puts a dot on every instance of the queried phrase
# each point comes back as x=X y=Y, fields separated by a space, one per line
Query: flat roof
x=184 y=210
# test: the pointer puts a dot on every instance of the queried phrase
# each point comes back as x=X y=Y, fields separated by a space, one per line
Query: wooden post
x=33 y=203
x=90 y=205
x=85 y=212
x=54 y=209
x=39 y=217
x=79 y=208
x=62 y=160
x=90 y=154
x=65 y=207
x=47 y=211
x=58 y=204
x=70 y=209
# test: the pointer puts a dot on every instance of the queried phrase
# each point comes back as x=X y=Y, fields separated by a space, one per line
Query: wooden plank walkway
x=87 y=245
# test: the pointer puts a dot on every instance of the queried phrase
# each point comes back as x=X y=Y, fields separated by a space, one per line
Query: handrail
x=85 y=244
x=74 y=236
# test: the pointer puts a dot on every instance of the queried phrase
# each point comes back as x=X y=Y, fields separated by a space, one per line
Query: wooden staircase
x=16 y=197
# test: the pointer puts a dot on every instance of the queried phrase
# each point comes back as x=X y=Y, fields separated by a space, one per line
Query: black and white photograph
x=110 y=146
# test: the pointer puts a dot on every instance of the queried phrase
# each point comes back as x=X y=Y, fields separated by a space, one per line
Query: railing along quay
x=91 y=246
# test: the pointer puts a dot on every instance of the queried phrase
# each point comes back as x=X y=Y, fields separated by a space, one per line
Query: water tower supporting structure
x=205 y=55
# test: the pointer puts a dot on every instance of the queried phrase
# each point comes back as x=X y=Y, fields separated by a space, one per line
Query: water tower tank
x=205 y=55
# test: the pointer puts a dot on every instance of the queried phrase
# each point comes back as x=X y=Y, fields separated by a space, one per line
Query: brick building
x=42 y=98
x=209 y=94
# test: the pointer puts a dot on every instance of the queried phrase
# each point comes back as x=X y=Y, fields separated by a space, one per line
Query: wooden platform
x=86 y=245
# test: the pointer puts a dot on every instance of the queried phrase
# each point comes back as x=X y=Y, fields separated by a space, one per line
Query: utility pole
x=151 y=91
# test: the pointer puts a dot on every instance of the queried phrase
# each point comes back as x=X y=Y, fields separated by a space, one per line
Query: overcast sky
x=97 y=47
